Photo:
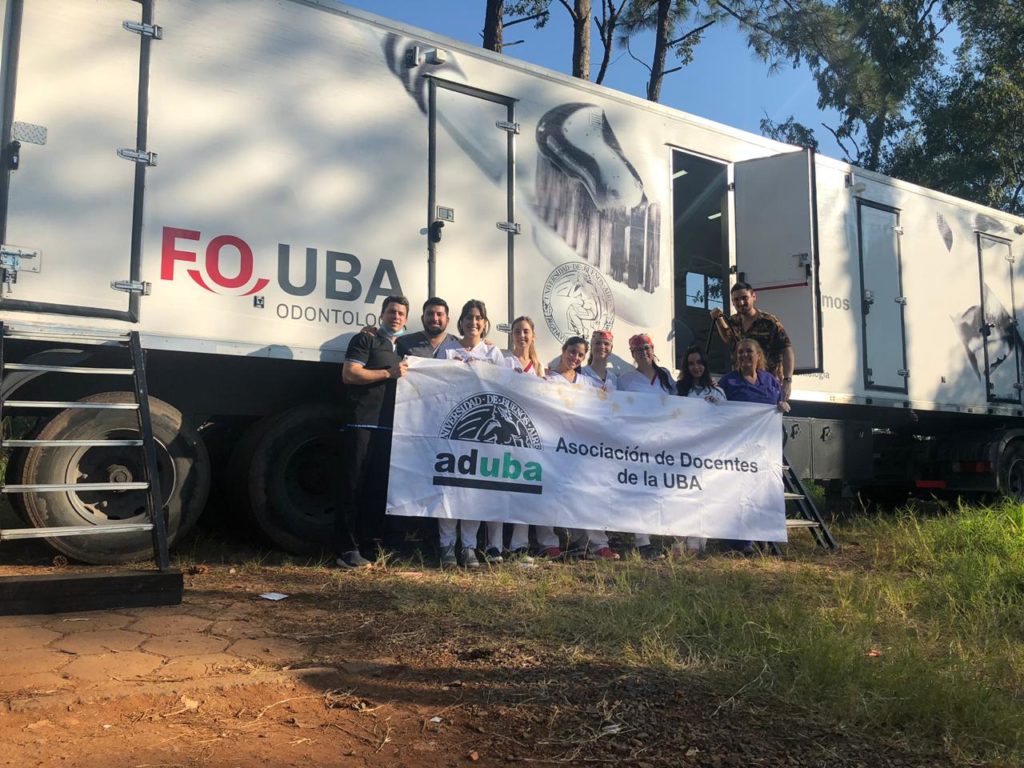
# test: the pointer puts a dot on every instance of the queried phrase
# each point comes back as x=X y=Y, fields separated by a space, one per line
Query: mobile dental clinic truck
x=244 y=182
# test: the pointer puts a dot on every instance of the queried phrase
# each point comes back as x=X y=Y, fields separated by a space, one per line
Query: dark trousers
x=362 y=488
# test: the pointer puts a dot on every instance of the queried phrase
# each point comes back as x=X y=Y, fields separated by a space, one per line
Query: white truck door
x=74 y=154
x=882 y=301
x=777 y=246
x=471 y=232
x=998 y=326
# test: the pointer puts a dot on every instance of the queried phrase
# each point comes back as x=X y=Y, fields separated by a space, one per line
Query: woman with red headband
x=650 y=378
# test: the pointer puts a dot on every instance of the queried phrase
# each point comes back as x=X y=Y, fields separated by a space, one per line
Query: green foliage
x=865 y=56
x=913 y=635
x=968 y=136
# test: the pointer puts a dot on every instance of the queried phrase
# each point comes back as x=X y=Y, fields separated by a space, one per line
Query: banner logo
x=490 y=419
x=577 y=301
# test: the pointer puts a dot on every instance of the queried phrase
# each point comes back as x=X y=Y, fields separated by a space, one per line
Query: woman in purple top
x=750 y=382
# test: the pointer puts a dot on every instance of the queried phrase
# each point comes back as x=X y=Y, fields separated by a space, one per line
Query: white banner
x=482 y=442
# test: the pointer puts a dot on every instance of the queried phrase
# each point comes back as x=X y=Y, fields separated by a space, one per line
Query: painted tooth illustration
x=592 y=196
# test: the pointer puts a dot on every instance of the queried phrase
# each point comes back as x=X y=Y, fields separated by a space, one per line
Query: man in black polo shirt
x=372 y=366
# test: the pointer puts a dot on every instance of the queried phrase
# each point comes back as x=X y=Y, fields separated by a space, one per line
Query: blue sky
x=725 y=82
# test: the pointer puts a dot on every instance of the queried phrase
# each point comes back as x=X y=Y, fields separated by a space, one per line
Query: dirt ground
x=332 y=676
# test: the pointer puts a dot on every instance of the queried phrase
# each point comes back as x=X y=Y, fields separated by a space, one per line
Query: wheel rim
x=1015 y=479
x=115 y=464
x=306 y=479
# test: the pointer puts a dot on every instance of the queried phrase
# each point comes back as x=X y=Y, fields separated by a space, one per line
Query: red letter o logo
x=245 y=264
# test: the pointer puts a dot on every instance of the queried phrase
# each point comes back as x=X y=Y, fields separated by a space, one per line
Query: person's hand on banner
x=398 y=370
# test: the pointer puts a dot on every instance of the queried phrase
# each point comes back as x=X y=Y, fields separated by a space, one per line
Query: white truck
x=244 y=182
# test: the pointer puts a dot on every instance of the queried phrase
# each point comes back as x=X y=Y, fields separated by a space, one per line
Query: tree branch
x=520 y=20
x=634 y=58
x=846 y=153
x=691 y=33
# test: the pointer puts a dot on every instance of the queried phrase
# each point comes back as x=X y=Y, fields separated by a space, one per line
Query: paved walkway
x=136 y=650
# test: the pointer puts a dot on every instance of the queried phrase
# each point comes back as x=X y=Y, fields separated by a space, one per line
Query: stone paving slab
x=99 y=641
x=184 y=644
x=208 y=641
x=29 y=661
x=120 y=667
x=167 y=625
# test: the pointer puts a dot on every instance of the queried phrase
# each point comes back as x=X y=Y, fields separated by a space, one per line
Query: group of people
x=375 y=360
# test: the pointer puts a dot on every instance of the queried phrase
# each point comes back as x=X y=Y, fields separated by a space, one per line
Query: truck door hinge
x=507 y=126
x=901 y=300
x=897 y=229
x=11 y=262
x=904 y=372
x=146 y=30
x=508 y=226
x=132 y=286
x=137 y=155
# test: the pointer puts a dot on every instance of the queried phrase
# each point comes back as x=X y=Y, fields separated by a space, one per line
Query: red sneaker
x=551 y=553
x=605 y=553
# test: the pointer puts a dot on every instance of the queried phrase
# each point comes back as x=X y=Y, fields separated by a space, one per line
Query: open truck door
x=777 y=246
x=74 y=155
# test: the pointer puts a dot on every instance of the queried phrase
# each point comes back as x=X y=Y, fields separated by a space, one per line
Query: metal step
x=66 y=443
x=71 y=404
x=802 y=524
x=72 y=530
x=43 y=488
x=18 y=330
x=793 y=496
x=68 y=369
x=87 y=339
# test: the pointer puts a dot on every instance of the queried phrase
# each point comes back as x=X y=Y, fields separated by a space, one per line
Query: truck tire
x=1011 y=471
x=289 y=463
x=183 y=466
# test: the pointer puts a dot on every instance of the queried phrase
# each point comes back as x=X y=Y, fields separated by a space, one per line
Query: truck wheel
x=1011 y=471
x=290 y=462
x=183 y=467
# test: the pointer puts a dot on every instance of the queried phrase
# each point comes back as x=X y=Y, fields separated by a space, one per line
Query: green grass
x=915 y=632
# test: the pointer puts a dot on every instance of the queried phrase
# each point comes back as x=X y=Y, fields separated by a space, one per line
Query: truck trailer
x=244 y=182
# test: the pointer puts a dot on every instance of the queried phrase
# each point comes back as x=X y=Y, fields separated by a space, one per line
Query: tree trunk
x=606 y=31
x=492 y=24
x=581 y=39
x=661 y=38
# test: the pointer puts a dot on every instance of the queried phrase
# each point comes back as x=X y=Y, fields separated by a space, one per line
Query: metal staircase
x=801 y=511
x=12 y=599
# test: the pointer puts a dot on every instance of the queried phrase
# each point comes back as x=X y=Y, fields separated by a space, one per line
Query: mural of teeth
x=592 y=196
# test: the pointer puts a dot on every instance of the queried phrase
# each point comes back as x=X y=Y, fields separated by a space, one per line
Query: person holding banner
x=751 y=382
x=434 y=340
x=648 y=376
x=567 y=371
x=371 y=368
x=473 y=347
x=523 y=355
x=597 y=363
x=695 y=378
x=695 y=381
x=523 y=358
